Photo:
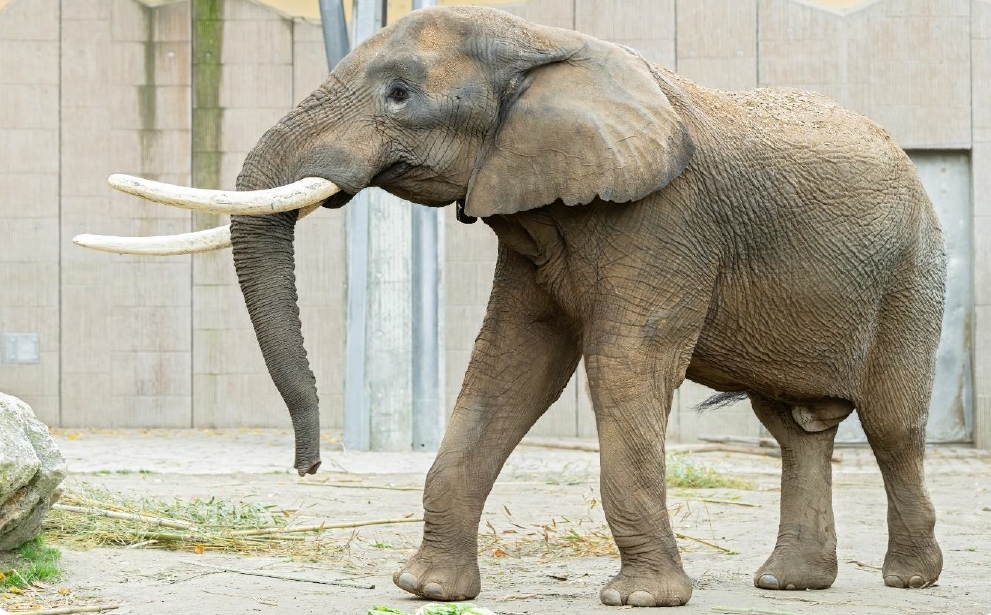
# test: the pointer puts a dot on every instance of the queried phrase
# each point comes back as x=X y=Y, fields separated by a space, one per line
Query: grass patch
x=684 y=472
x=31 y=562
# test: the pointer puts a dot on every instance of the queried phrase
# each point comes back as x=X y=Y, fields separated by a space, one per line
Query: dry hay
x=588 y=536
x=91 y=517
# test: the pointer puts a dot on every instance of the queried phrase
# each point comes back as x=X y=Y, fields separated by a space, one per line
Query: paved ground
x=537 y=488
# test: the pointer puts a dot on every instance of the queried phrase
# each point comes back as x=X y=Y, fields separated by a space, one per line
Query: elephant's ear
x=595 y=124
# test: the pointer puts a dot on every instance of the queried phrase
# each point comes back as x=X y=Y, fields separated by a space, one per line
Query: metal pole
x=335 y=31
x=356 y=419
x=429 y=414
x=378 y=373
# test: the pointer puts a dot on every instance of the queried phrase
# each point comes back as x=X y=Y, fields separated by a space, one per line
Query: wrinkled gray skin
x=766 y=242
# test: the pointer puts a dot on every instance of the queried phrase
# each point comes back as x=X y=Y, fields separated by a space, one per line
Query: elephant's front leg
x=632 y=389
x=521 y=362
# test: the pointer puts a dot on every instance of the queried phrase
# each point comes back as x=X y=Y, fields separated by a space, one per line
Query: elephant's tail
x=720 y=400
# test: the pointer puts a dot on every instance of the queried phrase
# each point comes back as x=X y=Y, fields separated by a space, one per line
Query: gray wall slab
x=125 y=320
x=29 y=205
x=981 y=165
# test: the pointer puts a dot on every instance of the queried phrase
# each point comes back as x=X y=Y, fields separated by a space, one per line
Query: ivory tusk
x=296 y=195
x=167 y=245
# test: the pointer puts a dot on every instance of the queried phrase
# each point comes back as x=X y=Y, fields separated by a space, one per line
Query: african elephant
x=767 y=243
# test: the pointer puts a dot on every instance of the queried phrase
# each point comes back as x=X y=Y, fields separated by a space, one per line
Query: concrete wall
x=29 y=196
x=180 y=90
x=981 y=165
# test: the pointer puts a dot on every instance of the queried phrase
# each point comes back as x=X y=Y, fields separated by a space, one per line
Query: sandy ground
x=537 y=487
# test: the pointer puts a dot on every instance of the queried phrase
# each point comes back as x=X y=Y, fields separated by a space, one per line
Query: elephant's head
x=448 y=104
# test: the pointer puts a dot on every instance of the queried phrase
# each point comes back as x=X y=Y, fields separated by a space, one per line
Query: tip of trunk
x=307 y=467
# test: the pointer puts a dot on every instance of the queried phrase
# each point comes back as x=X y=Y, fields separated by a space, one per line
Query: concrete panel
x=982 y=350
x=126 y=353
x=470 y=254
x=717 y=42
x=982 y=257
x=586 y=415
x=29 y=195
x=29 y=106
x=238 y=400
x=29 y=167
x=561 y=419
x=646 y=25
x=29 y=284
x=257 y=86
x=29 y=150
x=982 y=423
x=981 y=79
x=241 y=40
x=686 y=425
x=87 y=10
x=33 y=20
x=310 y=66
x=171 y=23
x=28 y=62
x=916 y=54
x=556 y=13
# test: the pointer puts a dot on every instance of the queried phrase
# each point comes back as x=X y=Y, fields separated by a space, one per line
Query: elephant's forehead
x=433 y=37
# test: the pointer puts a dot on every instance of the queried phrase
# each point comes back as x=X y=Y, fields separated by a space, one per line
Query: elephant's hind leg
x=804 y=556
x=894 y=408
x=895 y=424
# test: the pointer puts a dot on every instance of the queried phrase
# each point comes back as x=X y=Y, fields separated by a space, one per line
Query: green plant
x=683 y=472
x=31 y=562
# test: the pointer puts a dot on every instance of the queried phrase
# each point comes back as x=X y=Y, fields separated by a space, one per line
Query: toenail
x=893 y=581
x=767 y=581
x=407 y=581
x=790 y=586
x=611 y=597
x=916 y=582
x=640 y=598
x=433 y=590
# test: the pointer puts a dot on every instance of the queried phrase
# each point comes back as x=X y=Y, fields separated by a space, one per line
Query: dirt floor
x=542 y=495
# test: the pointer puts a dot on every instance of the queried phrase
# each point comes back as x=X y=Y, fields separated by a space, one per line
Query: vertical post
x=356 y=422
x=378 y=370
x=428 y=336
x=335 y=31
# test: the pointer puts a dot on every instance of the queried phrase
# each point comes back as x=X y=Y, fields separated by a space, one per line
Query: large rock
x=31 y=469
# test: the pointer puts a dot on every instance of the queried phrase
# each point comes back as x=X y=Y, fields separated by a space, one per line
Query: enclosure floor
x=537 y=487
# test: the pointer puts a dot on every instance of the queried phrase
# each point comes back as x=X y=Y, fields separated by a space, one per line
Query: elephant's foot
x=912 y=567
x=440 y=576
x=638 y=587
x=798 y=567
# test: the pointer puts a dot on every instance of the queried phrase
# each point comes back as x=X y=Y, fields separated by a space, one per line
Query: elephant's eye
x=398 y=94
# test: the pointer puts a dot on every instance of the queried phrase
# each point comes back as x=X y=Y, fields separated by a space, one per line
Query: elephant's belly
x=789 y=347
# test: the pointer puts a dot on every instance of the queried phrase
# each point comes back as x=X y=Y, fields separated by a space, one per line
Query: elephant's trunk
x=265 y=264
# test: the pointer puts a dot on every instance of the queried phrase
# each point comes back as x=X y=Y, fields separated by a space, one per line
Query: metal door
x=946 y=176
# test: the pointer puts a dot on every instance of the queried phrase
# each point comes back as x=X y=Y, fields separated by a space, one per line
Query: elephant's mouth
x=390 y=174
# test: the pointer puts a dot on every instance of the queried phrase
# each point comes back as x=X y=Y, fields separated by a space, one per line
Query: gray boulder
x=31 y=469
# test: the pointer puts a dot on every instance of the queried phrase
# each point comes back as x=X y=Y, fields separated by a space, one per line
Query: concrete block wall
x=981 y=165
x=240 y=88
x=244 y=87
x=125 y=321
x=29 y=197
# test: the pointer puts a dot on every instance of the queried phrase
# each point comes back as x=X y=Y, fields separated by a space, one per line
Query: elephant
x=766 y=243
